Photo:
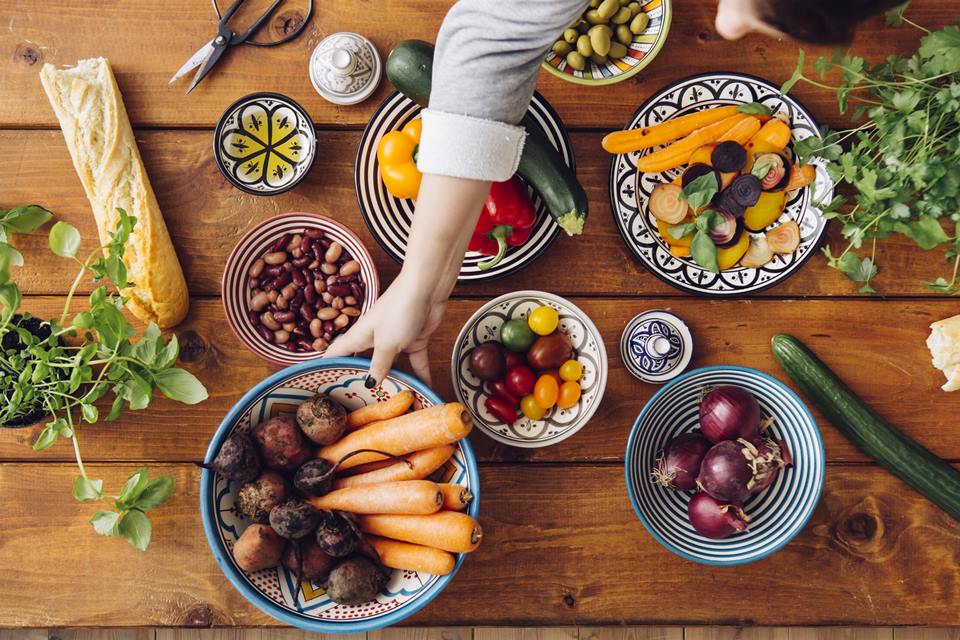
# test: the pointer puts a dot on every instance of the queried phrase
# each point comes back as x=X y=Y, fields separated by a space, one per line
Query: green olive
x=570 y=35
x=622 y=16
x=624 y=3
x=607 y=8
x=582 y=27
x=595 y=3
x=617 y=50
x=639 y=23
x=593 y=17
x=561 y=48
x=599 y=59
x=634 y=7
x=576 y=61
x=584 y=46
x=624 y=35
x=600 y=41
x=600 y=27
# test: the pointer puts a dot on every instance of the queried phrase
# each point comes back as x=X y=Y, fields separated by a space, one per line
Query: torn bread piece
x=944 y=344
x=97 y=130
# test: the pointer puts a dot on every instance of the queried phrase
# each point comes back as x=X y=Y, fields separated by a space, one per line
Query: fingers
x=358 y=338
x=380 y=365
x=420 y=363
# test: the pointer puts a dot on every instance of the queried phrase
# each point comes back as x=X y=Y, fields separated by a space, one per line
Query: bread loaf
x=944 y=344
x=98 y=134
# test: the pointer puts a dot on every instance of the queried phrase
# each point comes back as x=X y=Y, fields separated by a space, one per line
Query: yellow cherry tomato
x=530 y=408
x=546 y=390
x=569 y=394
x=544 y=320
x=571 y=370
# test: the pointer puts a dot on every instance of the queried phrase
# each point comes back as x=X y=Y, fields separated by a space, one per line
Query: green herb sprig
x=84 y=358
x=699 y=193
x=902 y=158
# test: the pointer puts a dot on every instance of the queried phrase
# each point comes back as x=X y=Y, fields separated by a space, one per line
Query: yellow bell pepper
x=398 y=168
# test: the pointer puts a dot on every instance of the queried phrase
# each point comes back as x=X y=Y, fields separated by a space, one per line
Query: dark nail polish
x=370 y=382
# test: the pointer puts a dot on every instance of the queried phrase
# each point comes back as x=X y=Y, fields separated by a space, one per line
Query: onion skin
x=728 y=412
x=679 y=462
x=725 y=473
x=714 y=519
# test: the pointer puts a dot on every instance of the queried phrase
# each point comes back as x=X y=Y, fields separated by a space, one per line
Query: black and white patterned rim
x=629 y=189
x=389 y=218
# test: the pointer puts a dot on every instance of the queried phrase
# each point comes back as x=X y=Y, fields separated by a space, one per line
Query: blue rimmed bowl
x=777 y=513
x=274 y=591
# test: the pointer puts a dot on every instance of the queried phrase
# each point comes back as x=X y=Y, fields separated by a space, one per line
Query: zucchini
x=409 y=68
x=899 y=454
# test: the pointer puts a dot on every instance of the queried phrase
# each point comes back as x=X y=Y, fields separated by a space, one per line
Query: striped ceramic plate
x=236 y=294
x=644 y=49
x=777 y=514
x=389 y=218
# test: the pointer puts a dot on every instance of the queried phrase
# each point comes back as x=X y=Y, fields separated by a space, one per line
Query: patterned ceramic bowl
x=656 y=346
x=236 y=293
x=271 y=590
x=559 y=424
x=644 y=49
x=777 y=513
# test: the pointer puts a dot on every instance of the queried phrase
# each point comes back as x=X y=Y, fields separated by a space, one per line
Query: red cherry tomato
x=520 y=380
x=501 y=409
x=512 y=359
x=498 y=389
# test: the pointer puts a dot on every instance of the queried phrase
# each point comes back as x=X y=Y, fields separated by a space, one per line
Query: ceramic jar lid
x=345 y=68
x=656 y=346
x=265 y=143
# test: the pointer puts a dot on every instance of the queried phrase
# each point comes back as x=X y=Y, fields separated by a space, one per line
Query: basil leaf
x=46 y=438
x=146 y=349
x=704 y=252
x=105 y=522
x=682 y=230
x=115 y=409
x=133 y=487
x=13 y=257
x=9 y=298
x=761 y=169
x=169 y=354
x=135 y=527
x=26 y=218
x=180 y=385
x=90 y=412
x=755 y=108
x=85 y=489
x=699 y=192
x=64 y=239
x=155 y=494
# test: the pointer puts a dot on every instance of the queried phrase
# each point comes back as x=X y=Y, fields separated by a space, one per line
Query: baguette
x=97 y=130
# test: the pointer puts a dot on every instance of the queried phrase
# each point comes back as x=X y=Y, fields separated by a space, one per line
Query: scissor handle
x=243 y=37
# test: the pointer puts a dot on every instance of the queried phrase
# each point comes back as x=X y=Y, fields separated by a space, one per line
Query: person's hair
x=820 y=21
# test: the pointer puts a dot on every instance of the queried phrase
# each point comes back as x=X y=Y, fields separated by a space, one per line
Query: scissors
x=207 y=56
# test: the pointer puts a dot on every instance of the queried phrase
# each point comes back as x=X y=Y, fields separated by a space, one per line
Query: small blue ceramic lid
x=656 y=346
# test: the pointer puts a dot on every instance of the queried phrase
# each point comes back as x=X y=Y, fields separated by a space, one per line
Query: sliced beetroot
x=727 y=202
x=745 y=189
x=735 y=238
x=697 y=170
x=778 y=175
x=724 y=228
x=728 y=157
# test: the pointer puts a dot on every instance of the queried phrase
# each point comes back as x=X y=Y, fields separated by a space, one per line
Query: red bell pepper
x=507 y=220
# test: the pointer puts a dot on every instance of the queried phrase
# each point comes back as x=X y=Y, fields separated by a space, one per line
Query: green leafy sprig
x=84 y=358
x=903 y=156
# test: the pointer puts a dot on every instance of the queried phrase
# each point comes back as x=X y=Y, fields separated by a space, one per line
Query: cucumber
x=409 y=68
x=873 y=435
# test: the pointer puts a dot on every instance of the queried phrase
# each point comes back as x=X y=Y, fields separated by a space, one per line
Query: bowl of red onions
x=724 y=465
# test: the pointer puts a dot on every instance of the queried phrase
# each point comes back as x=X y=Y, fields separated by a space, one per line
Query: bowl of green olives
x=612 y=41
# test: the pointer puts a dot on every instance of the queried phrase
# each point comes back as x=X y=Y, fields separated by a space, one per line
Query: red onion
x=728 y=413
x=679 y=462
x=778 y=455
x=733 y=470
x=713 y=519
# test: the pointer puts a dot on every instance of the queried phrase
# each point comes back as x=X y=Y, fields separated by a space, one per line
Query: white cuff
x=466 y=147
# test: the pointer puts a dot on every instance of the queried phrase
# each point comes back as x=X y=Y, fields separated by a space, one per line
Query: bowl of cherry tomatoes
x=531 y=367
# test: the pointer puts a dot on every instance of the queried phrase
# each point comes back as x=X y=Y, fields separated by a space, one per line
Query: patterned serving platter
x=777 y=513
x=389 y=218
x=559 y=424
x=630 y=190
x=274 y=591
x=640 y=53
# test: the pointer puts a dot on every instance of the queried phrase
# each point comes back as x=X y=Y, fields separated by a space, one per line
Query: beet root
x=281 y=443
x=355 y=581
x=314 y=478
x=336 y=536
x=257 y=498
x=294 y=519
x=322 y=419
x=237 y=459
x=316 y=565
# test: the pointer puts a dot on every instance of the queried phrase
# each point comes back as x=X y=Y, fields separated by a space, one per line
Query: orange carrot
x=417 y=466
x=448 y=530
x=431 y=427
x=742 y=131
x=662 y=133
x=395 y=406
x=679 y=252
x=405 y=497
x=455 y=496
x=412 y=557
x=680 y=151
x=801 y=176
x=775 y=134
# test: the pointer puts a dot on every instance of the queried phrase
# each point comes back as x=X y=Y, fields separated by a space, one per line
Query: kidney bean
x=327 y=336
x=327 y=297
x=333 y=252
x=296 y=253
x=328 y=326
x=253 y=317
x=275 y=257
x=273 y=295
x=301 y=262
x=297 y=278
x=341 y=321
x=353 y=312
x=253 y=283
x=295 y=306
x=327 y=313
x=287 y=266
x=350 y=300
x=357 y=291
x=320 y=344
x=310 y=295
x=337 y=303
x=292 y=348
x=273 y=271
x=265 y=333
x=281 y=242
x=350 y=268
x=299 y=297
x=256 y=268
x=281 y=336
x=313 y=234
x=316 y=327
x=307 y=312
x=284 y=316
x=300 y=331
x=314 y=265
x=294 y=242
x=325 y=242
x=281 y=280
x=328 y=269
x=288 y=290
x=282 y=303
x=304 y=344
x=269 y=321
x=259 y=301
x=339 y=290
x=289 y=326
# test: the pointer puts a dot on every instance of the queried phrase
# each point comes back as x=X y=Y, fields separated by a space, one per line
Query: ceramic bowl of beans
x=295 y=282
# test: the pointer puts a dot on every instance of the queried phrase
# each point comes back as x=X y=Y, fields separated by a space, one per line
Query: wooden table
x=563 y=546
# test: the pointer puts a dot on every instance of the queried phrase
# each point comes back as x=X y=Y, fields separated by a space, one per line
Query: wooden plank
x=834 y=633
x=736 y=633
x=102 y=634
x=24 y=634
x=926 y=634
x=424 y=633
x=631 y=633
x=854 y=337
x=250 y=634
x=563 y=548
x=524 y=633
x=206 y=216
x=63 y=32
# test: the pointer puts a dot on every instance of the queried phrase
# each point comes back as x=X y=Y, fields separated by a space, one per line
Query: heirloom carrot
x=430 y=427
x=801 y=176
x=412 y=557
x=406 y=497
x=774 y=135
x=680 y=151
x=448 y=530
x=395 y=406
x=662 y=133
x=416 y=466
x=455 y=496
x=742 y=131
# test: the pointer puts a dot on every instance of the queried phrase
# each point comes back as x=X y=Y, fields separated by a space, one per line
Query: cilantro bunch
x=60 y=369
x=902 y=159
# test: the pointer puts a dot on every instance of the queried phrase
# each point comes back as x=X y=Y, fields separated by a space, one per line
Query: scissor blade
x=215 y=53
x=195 y=61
